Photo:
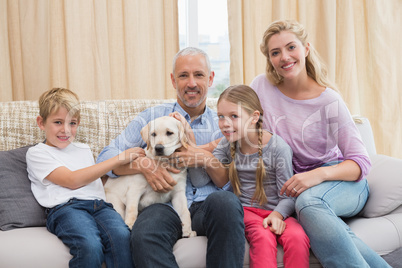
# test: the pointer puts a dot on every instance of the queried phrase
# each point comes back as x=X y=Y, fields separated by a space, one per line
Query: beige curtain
x=101 y=49
x=360 y=41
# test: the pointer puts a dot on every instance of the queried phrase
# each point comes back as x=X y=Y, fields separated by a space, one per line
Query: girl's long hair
x=247 y=98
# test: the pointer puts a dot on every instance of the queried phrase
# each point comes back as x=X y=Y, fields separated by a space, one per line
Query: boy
x=65 y=180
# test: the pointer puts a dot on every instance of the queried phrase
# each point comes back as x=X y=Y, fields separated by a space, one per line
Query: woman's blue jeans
x=94 y=232
x=219 y=217
x=334 y=244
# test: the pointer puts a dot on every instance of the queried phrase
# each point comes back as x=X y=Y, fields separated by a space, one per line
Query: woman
x=329 y=158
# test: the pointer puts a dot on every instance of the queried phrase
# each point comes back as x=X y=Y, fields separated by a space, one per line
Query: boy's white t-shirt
x=42 y=159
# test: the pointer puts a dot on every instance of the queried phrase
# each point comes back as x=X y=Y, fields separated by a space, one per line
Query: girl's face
x=287 y=55
x=235 y=122
x=60 y=128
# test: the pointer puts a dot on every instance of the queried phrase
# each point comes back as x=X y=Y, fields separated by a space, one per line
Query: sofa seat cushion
x=191 y=252
x=382 y=234
x=33 y=247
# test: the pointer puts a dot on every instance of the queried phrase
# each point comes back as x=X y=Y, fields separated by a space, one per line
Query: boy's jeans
x=94 y=232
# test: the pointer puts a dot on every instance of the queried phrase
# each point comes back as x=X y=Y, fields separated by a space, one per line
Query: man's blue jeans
x=219 y=217
x=94 y=232
x=334 y=244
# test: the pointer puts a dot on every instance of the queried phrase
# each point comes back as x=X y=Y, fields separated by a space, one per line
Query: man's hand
x=157 y=174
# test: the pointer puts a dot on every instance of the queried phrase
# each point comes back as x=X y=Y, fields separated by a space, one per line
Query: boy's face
x=60 y=128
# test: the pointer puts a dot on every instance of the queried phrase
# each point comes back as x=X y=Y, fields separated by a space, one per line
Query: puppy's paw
x=130 y=222
x=187 y=232
x=190 y=234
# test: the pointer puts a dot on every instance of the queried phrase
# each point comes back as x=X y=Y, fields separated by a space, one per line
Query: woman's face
x=287 y=55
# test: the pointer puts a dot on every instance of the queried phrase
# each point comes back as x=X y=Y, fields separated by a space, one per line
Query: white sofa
x=25 y=242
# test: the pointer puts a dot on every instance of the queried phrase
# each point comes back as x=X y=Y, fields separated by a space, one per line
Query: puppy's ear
x=183 y=137
x=145 y=134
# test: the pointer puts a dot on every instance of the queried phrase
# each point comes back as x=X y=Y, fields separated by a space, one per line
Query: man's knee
x=155 y=221
x=225 y=201
x=224 y=208
x=156 y=217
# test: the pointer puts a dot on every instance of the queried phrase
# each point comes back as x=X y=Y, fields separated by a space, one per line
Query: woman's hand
x=275 y=223
x=347 y=170
x=302 y=181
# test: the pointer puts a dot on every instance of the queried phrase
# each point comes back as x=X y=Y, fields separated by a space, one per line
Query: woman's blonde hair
x=315 y=66
x=51 y=101
x=247 y=98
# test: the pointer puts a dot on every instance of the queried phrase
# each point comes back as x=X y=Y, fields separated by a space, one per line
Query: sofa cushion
x=385 y=181
x=33 y=247
x=382 y=234
x=18 y=206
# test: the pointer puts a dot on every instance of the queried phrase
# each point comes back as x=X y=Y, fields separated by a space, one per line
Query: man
x=215 y=213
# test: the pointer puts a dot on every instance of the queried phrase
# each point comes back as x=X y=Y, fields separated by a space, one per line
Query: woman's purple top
x=319 y=130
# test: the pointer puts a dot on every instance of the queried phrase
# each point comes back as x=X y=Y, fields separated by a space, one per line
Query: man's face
x=191 y=79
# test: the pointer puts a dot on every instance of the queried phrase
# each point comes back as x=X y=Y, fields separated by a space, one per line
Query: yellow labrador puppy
x=132 y=193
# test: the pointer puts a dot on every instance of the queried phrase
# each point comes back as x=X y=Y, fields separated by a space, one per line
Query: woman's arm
x=347 y=170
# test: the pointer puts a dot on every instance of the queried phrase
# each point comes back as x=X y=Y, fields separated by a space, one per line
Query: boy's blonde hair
x=246 y=97
x=51 y=101
x=315 y=66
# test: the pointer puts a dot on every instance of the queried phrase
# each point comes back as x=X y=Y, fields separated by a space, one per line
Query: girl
x=329 y=158
x=259 y=165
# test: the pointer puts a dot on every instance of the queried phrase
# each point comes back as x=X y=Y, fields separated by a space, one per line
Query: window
x=204 y=24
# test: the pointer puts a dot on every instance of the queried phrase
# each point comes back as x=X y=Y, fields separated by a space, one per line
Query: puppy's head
x=164 y=135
